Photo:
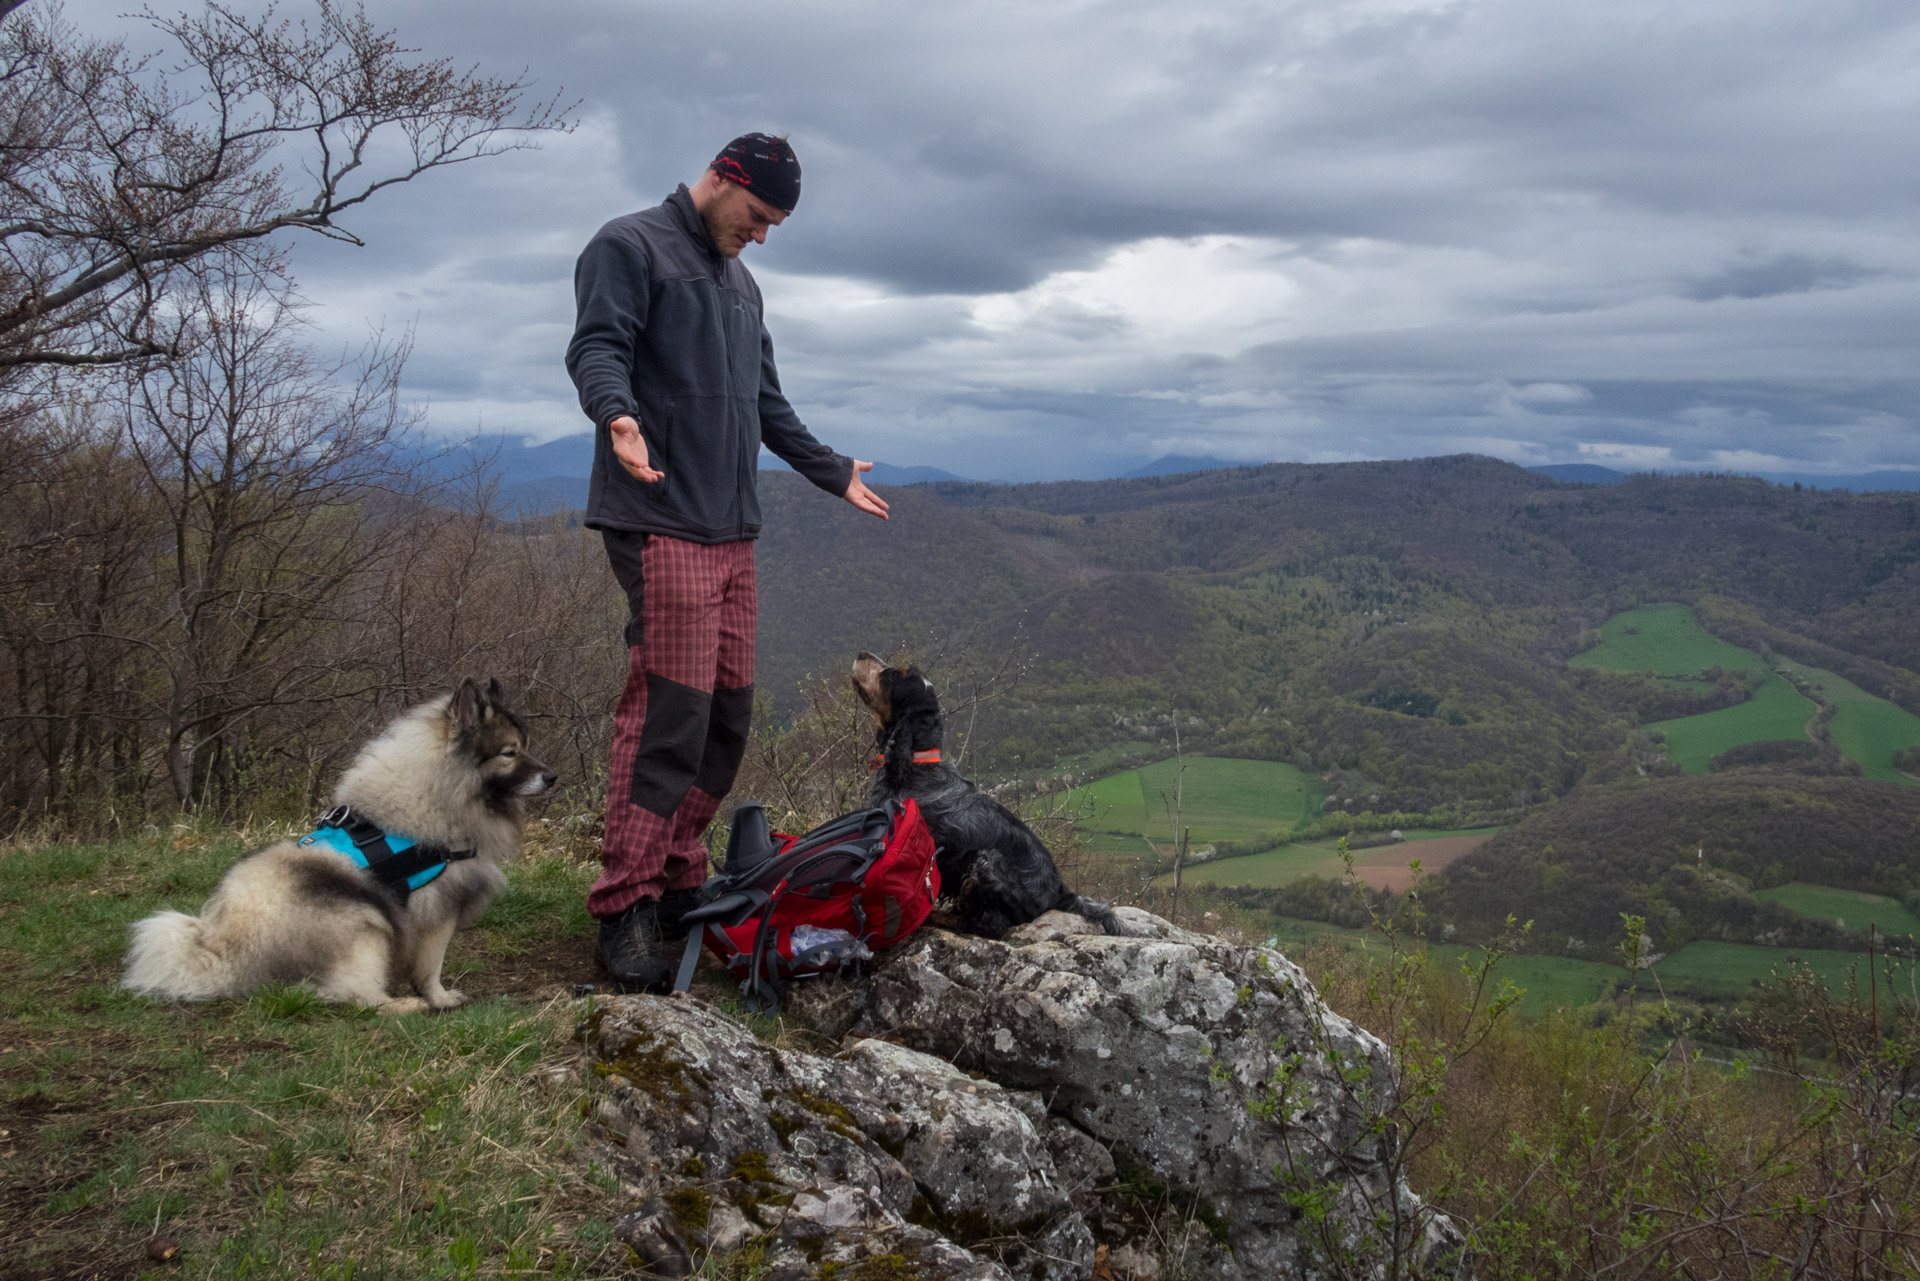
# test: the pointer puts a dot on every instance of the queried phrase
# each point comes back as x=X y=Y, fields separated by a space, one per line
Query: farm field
x=1709 y=968
x=1703 y=969
x=1549 y=982
x=1292 y=935
x=1102 y=760
x=1383 y=867
x=1851 y=906
x=1664 y=640
x=1776 y=710
x=1222 y=800
x=1865 y=728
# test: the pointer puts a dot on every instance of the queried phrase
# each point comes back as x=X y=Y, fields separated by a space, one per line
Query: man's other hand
x=860 y=496
x=630 y=448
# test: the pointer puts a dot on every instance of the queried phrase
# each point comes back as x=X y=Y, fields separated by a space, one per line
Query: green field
x=1291 y=934
x=1776 y=710
x=1729 y=969
x=1852 y=908
x=1664 y=640
x=1701 y=969
x=1313 y=858
x=1221 y=800
x=1549 y=982
x=1865 y=728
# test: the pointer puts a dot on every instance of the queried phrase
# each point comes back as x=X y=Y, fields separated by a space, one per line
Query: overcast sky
x=1045 y=240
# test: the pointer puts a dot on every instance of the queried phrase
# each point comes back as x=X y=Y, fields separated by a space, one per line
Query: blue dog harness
x=399 y=862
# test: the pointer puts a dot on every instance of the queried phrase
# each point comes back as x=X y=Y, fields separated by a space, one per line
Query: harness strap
x=931 y=756
x=396 y=861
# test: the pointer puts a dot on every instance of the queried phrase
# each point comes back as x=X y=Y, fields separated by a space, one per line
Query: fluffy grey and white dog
x=449 y=780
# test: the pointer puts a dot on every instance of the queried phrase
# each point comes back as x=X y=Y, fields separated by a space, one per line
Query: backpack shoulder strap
x=689 y=958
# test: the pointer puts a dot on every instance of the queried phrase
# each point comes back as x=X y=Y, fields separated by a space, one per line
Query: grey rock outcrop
x=1165 y=1103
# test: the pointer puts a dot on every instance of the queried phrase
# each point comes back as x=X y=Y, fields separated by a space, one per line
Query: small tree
x=118 y=171
x=265 y=465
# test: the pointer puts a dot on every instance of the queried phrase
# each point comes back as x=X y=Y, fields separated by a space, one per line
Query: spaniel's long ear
x=913 y=689
x=469 y=704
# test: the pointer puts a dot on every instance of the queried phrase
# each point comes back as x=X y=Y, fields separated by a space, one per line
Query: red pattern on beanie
x=764 y=165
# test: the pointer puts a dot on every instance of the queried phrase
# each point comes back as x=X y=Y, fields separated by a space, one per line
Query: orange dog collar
x=929 y=757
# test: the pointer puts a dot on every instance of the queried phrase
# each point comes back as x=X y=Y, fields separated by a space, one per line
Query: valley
x=1561 y=695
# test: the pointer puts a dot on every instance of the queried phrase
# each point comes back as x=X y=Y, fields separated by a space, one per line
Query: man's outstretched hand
x=630 y=448
x=860 y=496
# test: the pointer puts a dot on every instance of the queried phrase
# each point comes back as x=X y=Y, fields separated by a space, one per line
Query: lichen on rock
x=1001 y=1108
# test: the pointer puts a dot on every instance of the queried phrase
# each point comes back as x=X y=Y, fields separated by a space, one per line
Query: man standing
x=672 y=359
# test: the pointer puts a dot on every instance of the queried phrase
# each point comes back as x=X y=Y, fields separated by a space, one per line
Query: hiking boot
x=633 y=949
x=675 y=904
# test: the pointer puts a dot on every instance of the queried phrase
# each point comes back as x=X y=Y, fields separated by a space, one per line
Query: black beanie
x=764 y=165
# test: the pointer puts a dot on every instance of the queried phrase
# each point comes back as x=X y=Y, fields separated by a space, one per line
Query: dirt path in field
x=1386 y=868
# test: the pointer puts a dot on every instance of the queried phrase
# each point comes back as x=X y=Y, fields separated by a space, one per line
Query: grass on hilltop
x=1667 y=641
x=278 y=1135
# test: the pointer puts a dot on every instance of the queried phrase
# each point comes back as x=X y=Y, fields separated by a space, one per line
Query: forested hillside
x=1406 y=624
x=1687 y=854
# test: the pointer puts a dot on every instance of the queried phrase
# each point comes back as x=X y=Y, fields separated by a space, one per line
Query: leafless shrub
x=813 y=766
x=261 y=465
x=118 y=171
x=220 y=562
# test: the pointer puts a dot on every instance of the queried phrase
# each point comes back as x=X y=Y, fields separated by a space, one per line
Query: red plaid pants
x=681 y=728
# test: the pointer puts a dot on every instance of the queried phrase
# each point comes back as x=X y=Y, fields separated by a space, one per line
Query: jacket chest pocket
x=742 y=328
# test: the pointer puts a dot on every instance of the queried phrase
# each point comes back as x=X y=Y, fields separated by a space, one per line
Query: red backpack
x=789 y=907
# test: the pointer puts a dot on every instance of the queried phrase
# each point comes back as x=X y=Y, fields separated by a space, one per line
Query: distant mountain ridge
x=571 y=457
x=1888 y=480
x=538 y=480
x=1178 y=464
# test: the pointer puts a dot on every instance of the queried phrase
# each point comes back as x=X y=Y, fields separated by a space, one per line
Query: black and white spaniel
x=992 y=866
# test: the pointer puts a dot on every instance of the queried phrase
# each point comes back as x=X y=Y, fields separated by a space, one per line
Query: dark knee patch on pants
x=672 y=741
x=727 y=727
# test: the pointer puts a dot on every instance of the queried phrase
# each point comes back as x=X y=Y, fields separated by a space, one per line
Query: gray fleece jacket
x=670 y=332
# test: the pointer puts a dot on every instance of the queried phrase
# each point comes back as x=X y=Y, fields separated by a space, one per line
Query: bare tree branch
x=117 y=172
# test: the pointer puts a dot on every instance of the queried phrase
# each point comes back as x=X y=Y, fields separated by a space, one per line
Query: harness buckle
x=336 y=817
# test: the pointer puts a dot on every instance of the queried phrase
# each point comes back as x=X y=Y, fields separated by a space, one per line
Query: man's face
x=735 y=216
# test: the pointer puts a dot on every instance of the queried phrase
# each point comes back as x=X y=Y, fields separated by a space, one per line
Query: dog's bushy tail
x=172 y=956
x=1094 y=910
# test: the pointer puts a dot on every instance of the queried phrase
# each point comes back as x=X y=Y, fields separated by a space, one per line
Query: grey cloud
x=1585 y=175
x=1784 y=274
x=520 y=269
